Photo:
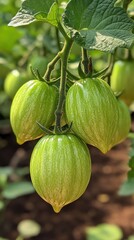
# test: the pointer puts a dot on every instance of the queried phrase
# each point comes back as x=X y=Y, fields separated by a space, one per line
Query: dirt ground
x=99 y=204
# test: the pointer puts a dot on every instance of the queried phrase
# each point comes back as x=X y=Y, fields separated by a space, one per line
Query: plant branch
x=58 y=38
x=63 y=32
x=85 y=61
x=62 y=89
x=51 y=65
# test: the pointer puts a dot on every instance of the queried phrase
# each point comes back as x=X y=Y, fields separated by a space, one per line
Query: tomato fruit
x=124 y=122
x=60 y=169
x=122 y=80
x=34 y=101
x=13 y=82
x=92 y=108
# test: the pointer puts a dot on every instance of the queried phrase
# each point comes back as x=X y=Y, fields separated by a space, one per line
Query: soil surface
x=99 y=204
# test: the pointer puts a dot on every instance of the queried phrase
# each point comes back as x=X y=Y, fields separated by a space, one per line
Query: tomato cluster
x=60 y=163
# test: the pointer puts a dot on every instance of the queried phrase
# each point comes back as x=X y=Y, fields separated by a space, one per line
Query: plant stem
x=51 y=65
x=58 y=38
x=85 y=60
x=63 y=32
x=126 y=3
x=62 y=89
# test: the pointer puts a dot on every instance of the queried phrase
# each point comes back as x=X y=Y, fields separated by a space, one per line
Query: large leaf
x=98 y=24
x=36 y=10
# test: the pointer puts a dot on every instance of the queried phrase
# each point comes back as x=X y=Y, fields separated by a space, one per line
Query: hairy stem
x=62 y=89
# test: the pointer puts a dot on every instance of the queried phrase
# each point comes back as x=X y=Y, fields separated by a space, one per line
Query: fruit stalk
x=62 y=89
x=51 y=65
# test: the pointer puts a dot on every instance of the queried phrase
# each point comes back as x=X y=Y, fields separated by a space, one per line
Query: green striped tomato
x=34 y=101
x=93 y=110
x=122 y=80
x=124 y=123
x=60 y=169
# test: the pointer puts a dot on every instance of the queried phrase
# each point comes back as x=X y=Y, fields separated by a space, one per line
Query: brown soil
x=99 y=204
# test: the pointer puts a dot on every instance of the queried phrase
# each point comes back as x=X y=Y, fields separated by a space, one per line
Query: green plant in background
x=27 y=229
x=92 y=112
x=10 y=190
x=127 y=188
x=105 y=231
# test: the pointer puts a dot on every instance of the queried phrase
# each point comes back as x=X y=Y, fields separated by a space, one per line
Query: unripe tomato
x=13 y=82
x=92 y=108
x=122 y=80
x=34 y=101
x=60 y=169
x=124 y=123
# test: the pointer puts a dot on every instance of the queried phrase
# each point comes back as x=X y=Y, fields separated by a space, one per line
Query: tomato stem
x=51 y=65
x=63 y=32
x=62 y=89
x=85 y=61
x=126 y=3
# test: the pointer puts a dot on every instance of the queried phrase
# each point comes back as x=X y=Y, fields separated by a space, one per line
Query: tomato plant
x=91 y=110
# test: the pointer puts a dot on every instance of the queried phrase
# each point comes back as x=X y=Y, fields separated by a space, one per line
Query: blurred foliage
x=127 y=188
x=28 y=228
x=105 y=231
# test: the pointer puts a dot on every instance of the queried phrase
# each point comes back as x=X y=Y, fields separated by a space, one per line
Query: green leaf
x=6 y=171
x=131 y=163
x=104 y=232
x=28 y=228
x=7 y=33
x=52 y=16
x=14 y=190
x=97 y=24
x=33 y=10
x=127 y=188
